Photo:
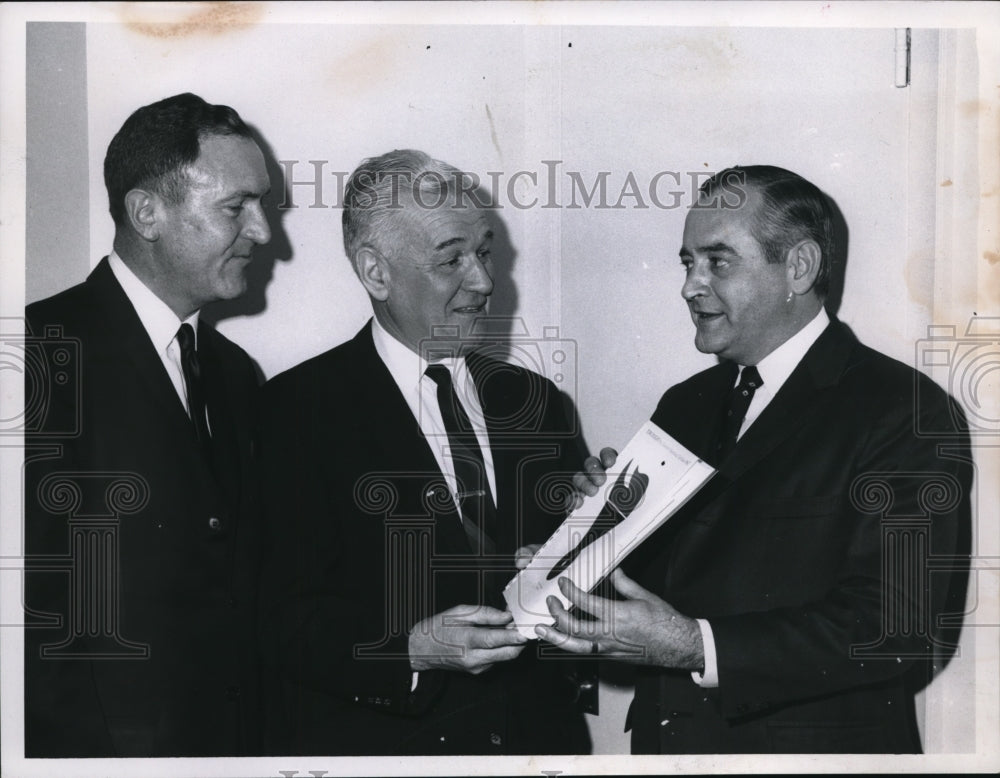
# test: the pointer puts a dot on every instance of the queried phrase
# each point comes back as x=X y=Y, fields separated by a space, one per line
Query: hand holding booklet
x=653 y=477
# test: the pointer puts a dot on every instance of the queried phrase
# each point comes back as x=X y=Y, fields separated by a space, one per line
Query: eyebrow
x=452 y=241
x=246 y=193
x=711 y=248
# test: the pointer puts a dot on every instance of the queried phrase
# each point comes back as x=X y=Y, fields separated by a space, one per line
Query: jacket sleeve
x=908 y=503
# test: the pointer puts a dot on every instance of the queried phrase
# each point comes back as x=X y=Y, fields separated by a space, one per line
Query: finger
x=608 y=457
x=488 y=638
x=625 y=585
x=502 y=654
x=476 y=614
x=594 y=470
x=567 y=623
x=566 y=642
x=524 y=555
x=481 y=660
x=592 y=604
x=583 y=482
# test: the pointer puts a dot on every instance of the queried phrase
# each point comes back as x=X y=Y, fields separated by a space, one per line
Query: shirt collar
x=159 y=321
x=777 y=366
x=405 y=365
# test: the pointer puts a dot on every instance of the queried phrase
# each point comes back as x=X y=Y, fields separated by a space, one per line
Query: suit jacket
x=142 y=555
x=364 y=541
x=810 y=554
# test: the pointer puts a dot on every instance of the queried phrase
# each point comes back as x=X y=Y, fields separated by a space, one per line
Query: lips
x=470 y=309
x=701 y=317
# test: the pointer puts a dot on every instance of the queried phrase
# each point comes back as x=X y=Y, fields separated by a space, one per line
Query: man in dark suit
x=401 y=475
x=790 y=606
x=140 y=540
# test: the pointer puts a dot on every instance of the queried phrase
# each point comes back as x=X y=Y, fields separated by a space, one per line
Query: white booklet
x=652 y=478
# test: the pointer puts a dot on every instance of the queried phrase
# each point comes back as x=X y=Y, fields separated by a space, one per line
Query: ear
x=373 y=271
x=142 y=209
x=803 y=261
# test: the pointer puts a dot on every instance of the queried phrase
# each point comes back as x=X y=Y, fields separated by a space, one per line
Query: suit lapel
x=505 y=402
x=697 y=427
x=794 y=403
x=404 y=447
x=128 y=340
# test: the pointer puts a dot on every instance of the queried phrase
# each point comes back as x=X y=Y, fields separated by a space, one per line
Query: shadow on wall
x=838 y=264
x=504 y=300
x=279 y=249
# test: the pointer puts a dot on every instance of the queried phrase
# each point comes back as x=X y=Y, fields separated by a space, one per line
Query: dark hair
x=790 y=210
x=155 y=145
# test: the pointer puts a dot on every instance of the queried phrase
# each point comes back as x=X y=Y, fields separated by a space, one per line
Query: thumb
x=524 y=555
x=625 y=585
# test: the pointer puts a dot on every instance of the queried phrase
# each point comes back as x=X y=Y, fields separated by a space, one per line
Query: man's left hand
x=641 y=629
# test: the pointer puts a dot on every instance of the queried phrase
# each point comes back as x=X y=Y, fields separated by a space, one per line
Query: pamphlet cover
x=652 y=478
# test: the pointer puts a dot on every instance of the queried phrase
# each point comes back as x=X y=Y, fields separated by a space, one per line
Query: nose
x=479 y=277
x=695 y=282
x=256 y=227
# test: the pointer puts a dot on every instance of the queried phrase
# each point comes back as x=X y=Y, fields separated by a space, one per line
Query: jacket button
x=233 y=693
x=495 y=739
x=215 y=523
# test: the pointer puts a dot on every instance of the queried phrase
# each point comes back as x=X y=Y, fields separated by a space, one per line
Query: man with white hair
x=402 y=472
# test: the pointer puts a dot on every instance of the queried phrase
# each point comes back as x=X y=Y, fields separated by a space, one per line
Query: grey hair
x=382 y=185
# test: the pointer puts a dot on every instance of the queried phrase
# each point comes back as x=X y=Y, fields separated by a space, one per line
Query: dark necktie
x=736 y=409
x=478 y=511
x=195 y=388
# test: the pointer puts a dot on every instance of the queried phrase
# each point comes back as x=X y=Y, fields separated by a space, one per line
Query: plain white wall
x=617 y=99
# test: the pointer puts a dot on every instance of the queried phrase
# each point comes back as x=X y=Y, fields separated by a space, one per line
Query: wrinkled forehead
x=455 y=222
x=229 y=162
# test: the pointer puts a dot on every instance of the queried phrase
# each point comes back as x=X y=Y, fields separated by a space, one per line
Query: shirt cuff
x=413 y=682
x=709 y=679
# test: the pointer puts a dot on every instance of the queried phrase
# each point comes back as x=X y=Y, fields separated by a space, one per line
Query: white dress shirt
x=774 y=370
x=420 y=392
x=159 y=321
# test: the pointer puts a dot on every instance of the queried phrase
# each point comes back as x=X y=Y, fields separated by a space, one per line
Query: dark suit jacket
x=363 y=541
x=809 y=553
x=142 y=557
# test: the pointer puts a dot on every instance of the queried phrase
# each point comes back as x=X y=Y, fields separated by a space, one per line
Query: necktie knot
x=185 y=338
x=750 y=379
x=189 y=354
x=440 y=375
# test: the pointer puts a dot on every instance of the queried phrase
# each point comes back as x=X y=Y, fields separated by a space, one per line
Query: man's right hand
x=467 y=638
x=587 y=482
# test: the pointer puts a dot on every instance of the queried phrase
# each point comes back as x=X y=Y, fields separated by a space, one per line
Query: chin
x=233 y=290
x=706 y=347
